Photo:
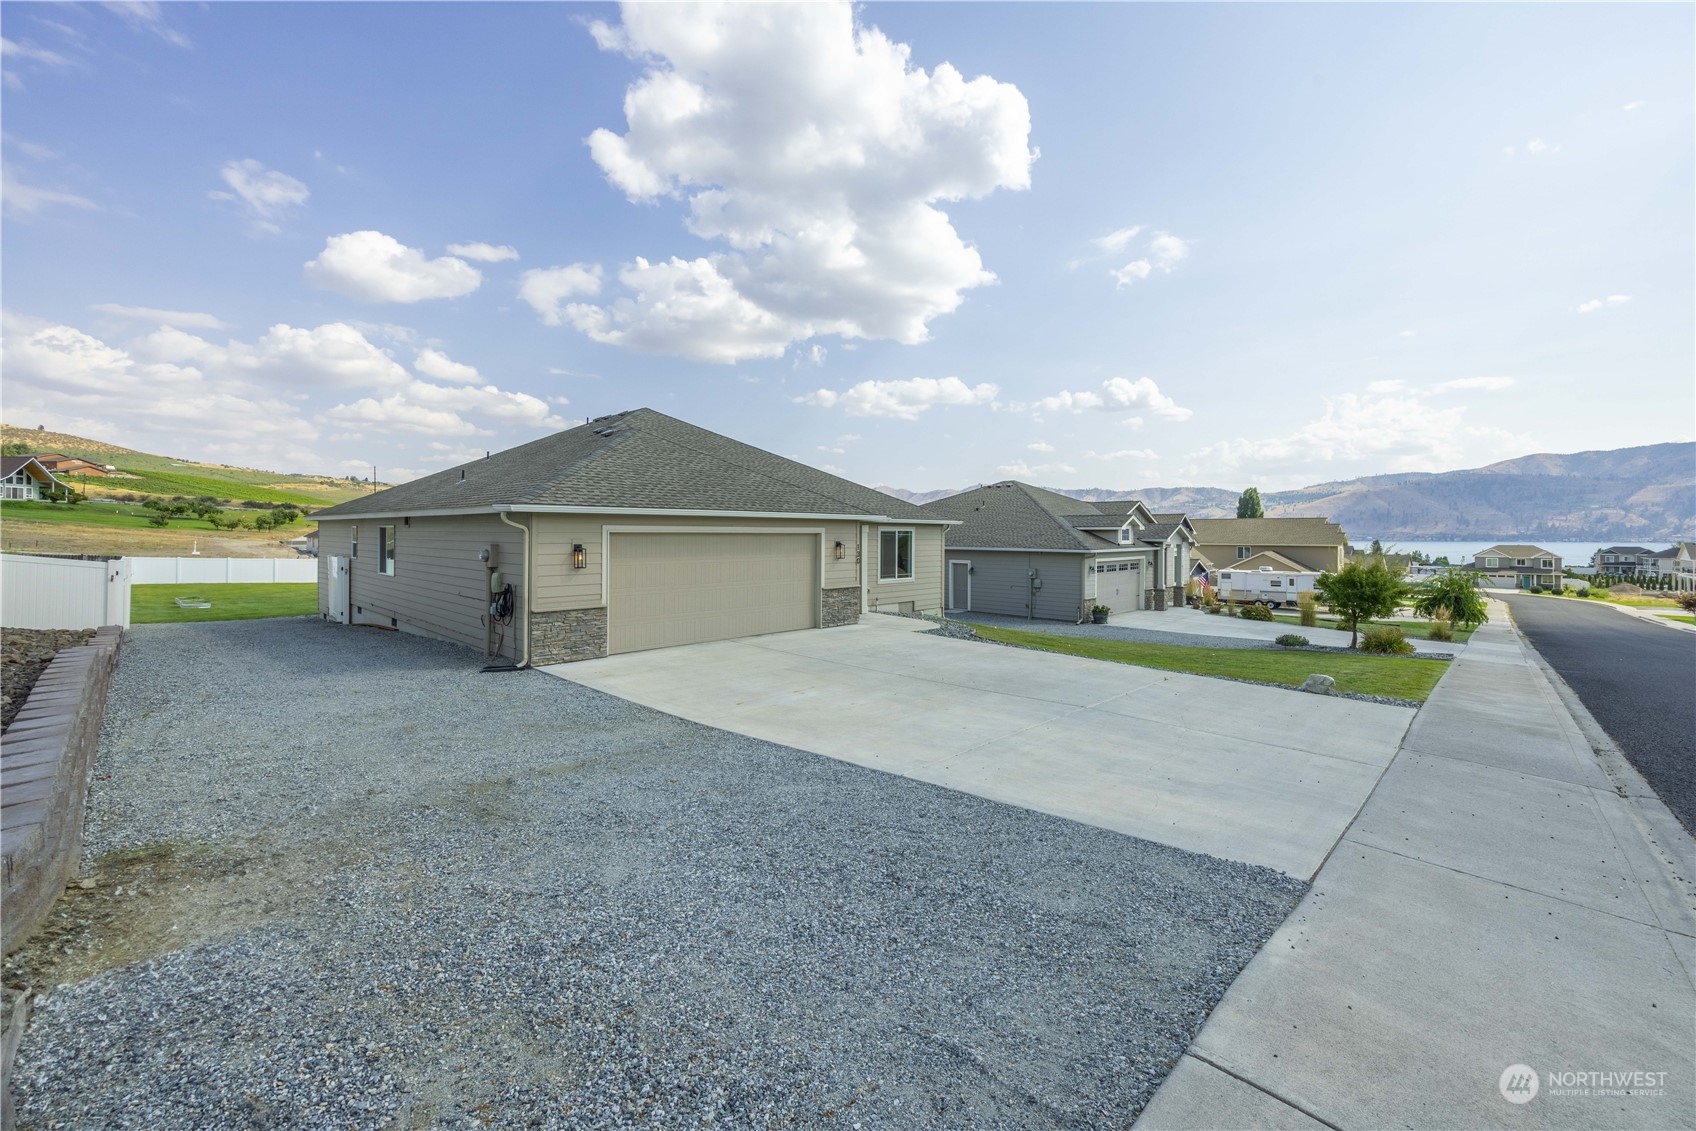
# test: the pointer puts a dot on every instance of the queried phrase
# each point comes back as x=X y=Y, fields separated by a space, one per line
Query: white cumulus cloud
x=483 y=252
x=1603 y=303
x=438 y=365
x=547 y=288
x=374 y=267
x=1039 y=446
x=817 y=154
x=902 y=400
x=1118 y=394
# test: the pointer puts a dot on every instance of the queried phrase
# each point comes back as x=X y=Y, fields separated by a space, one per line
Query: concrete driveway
x=1263 y=775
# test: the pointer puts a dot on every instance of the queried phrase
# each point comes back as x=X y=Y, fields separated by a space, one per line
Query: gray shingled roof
x=1519 y=552
x=1625 y=550
x=1157 y=532
x=1017 y=516
x=1267 y=532
x=642 y=459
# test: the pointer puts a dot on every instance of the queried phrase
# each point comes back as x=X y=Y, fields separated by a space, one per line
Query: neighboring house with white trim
x=1311 y=544
x=631 y=532
x=1684 y=567
x=1619 y=559
x=1026 y=551
x=26 y=480
x=1519 y=567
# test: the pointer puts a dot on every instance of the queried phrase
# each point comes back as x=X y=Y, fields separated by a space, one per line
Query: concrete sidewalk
x=1497 y=902
x=1194 y=622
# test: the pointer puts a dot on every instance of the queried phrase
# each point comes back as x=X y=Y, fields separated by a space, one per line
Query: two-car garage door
x=686 y=588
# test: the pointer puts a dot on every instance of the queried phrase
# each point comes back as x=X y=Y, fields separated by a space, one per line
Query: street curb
x=1674 y=848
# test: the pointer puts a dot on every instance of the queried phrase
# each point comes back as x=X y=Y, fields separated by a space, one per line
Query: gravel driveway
x=343 y=880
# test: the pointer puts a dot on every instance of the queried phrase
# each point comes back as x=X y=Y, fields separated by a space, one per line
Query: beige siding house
x=1314 y=544
x=631 y=532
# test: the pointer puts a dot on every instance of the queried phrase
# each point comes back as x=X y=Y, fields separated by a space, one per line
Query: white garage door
x=670 y=589
x=1118 y=585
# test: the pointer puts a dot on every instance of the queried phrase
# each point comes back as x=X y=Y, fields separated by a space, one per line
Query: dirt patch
x=140 y=903
x=24 y=655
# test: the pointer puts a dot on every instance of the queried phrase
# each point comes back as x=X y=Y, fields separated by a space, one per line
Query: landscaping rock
x=24 y=655
x=1319 y=685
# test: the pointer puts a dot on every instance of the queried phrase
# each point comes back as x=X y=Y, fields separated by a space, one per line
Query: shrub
x=1386 y=641
x=1687 y=601
x=1454 y=593
x=1215 y=607
x=159 y=519
x=1308 y=609
x=1360 y=591
x=1442 y=628
x=1256 y=612
x=1291 y=640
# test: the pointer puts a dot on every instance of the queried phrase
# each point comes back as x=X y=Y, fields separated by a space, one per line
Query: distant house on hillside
x=1519 y=567
x=62 y=465
x=25 y=479
x=1307 y=544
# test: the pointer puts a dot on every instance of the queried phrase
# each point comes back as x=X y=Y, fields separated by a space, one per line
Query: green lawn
x=157 y=604
x=194 y=486
x=125 y=515
x=1420 y=629
x=1643 y=602
x=1680 y=616
x=1393 y=676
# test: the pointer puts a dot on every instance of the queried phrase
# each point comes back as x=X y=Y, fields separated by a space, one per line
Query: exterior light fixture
x=579 y=558
x=839 y=551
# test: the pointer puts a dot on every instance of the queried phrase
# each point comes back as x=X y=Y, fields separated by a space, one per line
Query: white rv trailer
x=1264 y=586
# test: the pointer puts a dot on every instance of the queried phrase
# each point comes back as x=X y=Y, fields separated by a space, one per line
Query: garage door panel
x=671 y=589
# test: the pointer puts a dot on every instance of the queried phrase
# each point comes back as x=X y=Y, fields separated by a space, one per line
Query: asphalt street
x=1638 y=679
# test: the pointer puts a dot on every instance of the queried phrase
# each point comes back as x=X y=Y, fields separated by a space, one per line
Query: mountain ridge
x=1629 y=494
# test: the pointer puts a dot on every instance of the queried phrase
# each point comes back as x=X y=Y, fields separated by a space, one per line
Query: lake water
x=1571 y=553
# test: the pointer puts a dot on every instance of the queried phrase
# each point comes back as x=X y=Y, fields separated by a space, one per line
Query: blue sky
x=921 y=245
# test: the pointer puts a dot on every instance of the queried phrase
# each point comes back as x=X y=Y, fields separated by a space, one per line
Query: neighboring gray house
x=1025 y=551
x=631 y=532
x=1519 y=567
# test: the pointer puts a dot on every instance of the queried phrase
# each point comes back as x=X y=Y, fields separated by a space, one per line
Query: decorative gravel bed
x=342 y=880
x=24 y=655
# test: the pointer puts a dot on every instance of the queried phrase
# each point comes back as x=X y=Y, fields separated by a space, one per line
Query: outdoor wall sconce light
x=579 y=557
x=839 y=551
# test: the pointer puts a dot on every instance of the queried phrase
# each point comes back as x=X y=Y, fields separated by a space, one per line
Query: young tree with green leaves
x=1454 y=594
x=1248 y=504
x=1361 y=590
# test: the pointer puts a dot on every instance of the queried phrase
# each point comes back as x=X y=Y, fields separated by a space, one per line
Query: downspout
x=524 y=660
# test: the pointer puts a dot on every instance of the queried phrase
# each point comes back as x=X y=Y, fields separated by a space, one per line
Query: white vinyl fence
x=219 y=571
x=38 y=592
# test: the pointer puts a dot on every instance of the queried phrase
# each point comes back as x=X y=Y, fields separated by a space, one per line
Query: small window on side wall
x=386 y=550
x=353 y=541
x=895 y=555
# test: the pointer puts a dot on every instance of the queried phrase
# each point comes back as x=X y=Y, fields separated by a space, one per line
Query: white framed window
x=1244 y=552
x=353 y=541
x=1548 y=563
x=895 y=555
x=1519 y=561
x=1125 y=534
x=1492 y=563
x=386 y=550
